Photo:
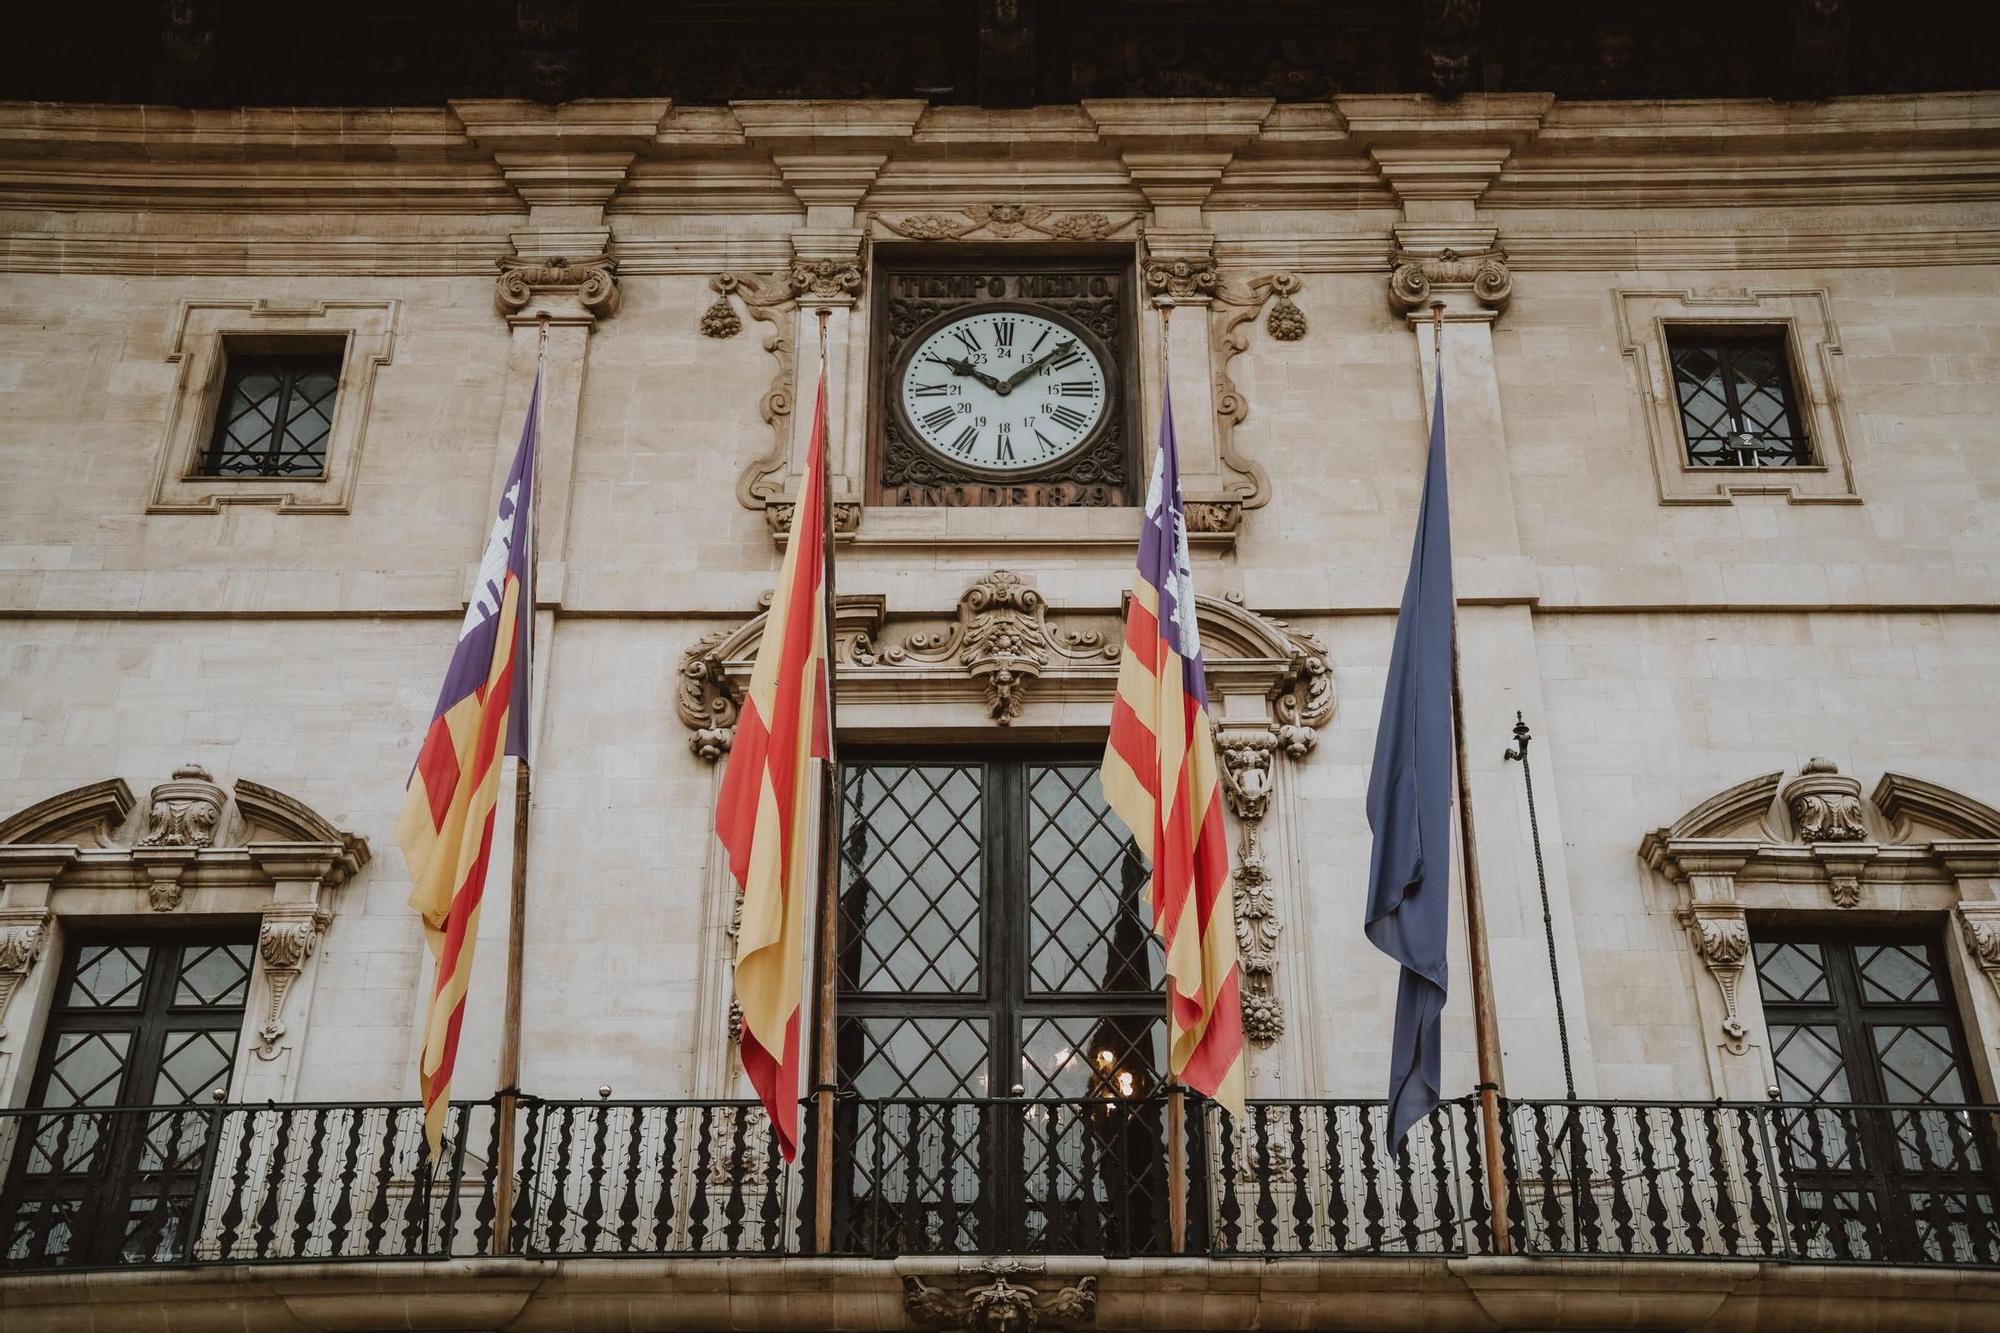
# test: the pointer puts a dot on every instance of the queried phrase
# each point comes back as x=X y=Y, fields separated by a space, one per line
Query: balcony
x=223 y=1185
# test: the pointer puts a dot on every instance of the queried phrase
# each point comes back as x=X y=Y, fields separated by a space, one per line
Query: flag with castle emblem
x=1161 y=778
x=446 y=826
x=762 y=817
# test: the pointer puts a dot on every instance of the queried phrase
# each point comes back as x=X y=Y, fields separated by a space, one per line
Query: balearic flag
x=762 y=816
x=1160 y=777
x=1409 y=801
x=446 y=827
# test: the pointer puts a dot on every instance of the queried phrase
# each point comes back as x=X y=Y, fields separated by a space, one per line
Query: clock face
x=1004 y=390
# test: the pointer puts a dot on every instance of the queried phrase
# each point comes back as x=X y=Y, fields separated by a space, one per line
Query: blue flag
x=1409 y=802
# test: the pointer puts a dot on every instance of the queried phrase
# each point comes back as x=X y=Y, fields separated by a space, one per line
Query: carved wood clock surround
x=945 y=355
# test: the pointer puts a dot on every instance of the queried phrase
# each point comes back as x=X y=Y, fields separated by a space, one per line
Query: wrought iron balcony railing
x=193 y=1185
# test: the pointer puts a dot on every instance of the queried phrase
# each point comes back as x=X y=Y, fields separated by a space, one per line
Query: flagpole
x=829 y=868
x=508 y=1097
x=1486 y=1023
x=1177 y=1193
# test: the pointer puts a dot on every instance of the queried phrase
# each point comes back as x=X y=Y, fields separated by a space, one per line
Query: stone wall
x=1661 y=651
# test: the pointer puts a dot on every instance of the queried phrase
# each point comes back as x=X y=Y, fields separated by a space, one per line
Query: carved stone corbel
x=1240 y=301
x=769 y=300
x=1248 y=757
x=1722 y=938
x=163 y=869
x=593 y=282
x=999 y=1306
x=825 y=279
x=284 y=942
x=1979 y=923
x=704 y=700
x=846 y=517
x=1184 y=279
x=23 y=935
x=1416 y=277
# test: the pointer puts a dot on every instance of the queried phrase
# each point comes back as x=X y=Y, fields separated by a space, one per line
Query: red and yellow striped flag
x=762 y=815
x=446 y=827
x=1160 y=776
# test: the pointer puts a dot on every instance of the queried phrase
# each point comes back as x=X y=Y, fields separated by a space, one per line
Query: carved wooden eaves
x=1002 y=658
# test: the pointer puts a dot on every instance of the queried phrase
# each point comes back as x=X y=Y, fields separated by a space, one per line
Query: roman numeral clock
x=1003 y=383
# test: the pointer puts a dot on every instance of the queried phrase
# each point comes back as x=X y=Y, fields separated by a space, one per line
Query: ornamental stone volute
x=1825 y=805
x=592 y=282
x=1416 y=277
x=184 y=811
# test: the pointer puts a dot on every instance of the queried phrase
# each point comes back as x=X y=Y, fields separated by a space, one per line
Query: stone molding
x=1240 y=299
x=1814 y=845
x=592 y=284
x=1812 y=341
x=193 y=851
x=202 y=332
x=1007 y=222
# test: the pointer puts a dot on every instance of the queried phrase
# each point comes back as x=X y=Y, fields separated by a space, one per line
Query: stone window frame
x=1003 y=658
x=193 y=853
x=1804 y=315
x=1813 y=851
x=204 y=333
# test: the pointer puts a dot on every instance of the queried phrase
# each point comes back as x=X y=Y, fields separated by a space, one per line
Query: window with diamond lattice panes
x=147 y=1022
x=1737 y=404
x=999 y=1010
x=274 y=416
x=1883 y=1160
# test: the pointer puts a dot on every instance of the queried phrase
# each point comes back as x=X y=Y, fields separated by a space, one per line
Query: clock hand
x=1015 y=379
x=962 y=367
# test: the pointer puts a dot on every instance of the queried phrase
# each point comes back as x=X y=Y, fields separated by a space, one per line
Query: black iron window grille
x=1738 y=407
x=275 y=415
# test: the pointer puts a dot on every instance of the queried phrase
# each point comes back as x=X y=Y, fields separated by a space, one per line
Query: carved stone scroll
x=1415 y=277
x=1239 y=301
x=768 y=299
x=825 y=279
x=1180 y=279
x=23 y=935
x=1723 y=941
x=593 y=282
x=1007 y=221
x=846 y=517
x=1979 y=923
x=284 y=941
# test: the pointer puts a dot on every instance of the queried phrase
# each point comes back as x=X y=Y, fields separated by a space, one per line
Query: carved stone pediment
x=1004 y=647
x=1815 y=844
x=191 y=850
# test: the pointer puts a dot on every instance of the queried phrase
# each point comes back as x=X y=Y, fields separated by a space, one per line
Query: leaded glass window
x=1860 y=1020
x=1000 y=1011
x=275 y=415
x=139 y=1022
x=1737 y=404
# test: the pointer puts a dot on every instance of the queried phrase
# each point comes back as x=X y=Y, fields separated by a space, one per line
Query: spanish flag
x=446 y=828
x=762 y=817
x=1160 y=777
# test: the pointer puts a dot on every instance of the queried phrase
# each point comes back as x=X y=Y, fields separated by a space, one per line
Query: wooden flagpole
x=508 y=1098
x=829 y=870
x=1486 y=1022
x=1177 y=1173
